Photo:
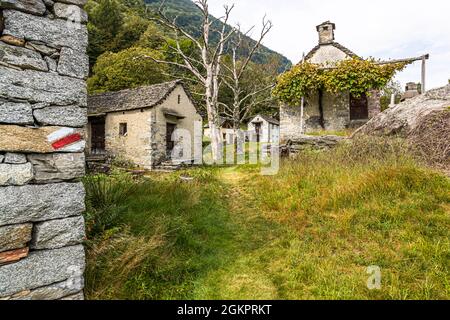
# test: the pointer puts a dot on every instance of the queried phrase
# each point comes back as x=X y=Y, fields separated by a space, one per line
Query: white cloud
x=382 y=29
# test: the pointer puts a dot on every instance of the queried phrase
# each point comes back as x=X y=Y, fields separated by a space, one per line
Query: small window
x=123 y=129
x=179 y=98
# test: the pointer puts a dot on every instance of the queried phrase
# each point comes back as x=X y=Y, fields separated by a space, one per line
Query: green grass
x=309 y=232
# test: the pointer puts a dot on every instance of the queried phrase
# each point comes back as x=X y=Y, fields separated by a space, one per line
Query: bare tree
x=244 y=100
x=207 y=68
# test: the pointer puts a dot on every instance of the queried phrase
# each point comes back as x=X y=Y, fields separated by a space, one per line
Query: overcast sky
x=385 y=29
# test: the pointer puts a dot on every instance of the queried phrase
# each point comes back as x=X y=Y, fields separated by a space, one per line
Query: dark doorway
x=258 y=131
x=97 y=135
x=359 y=107
x=170 y=129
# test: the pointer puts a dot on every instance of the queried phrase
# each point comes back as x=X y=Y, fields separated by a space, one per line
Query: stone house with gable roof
x=324 y=110
x=139 y=124
x=265 y=128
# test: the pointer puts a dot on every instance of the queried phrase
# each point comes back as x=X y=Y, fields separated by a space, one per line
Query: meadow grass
x=309 y=232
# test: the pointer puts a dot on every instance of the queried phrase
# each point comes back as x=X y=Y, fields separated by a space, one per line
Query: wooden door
x=97 y=135
x=258 y=131
x=359 y=107
x=170 y=129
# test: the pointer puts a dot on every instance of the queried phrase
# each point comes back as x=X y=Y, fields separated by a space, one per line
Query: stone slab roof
x=131 y=99
x=334 y=44
x=268 y=119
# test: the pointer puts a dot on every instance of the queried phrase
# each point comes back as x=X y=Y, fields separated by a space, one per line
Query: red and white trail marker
x=66 y=139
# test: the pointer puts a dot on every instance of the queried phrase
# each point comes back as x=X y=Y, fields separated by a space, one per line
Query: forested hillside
x=190 y=19
x=123 y=36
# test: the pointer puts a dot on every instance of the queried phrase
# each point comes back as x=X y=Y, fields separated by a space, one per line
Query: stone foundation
x=43 y=68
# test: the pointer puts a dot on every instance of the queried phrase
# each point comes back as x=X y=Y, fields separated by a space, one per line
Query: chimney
x=326 y=32
x=412 y=90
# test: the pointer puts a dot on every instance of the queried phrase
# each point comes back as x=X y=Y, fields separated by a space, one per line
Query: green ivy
x=356 y=76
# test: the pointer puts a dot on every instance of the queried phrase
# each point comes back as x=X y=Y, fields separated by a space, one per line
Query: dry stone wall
x=43 y=68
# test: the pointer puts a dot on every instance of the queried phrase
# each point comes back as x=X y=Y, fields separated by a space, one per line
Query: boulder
x=12 y=40
x=15 y=158
x=73 y=63
x=13 y=256
x=305 y=142
x=405 y=117
x=42 y=268
x=36 y=86
x=58 y=233
x=15 y=236
x=70 y=12
x=51 y=64
x=21 y=57
x=61 y=290
x=57 y=167
x=35 y=203
x=56 y=32
x=40 y=47
x=16 y=113
x=29 y=6
x=15 y=174
x=68 y=116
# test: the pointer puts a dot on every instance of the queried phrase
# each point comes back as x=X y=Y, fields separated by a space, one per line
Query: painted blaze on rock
x=40 y=140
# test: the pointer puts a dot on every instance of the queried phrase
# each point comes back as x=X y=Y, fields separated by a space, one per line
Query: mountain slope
x=190 y=19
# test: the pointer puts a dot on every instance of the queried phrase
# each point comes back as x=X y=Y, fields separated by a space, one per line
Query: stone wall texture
x=43 y=98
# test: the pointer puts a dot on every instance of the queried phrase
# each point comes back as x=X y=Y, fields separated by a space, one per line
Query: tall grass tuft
x=105 y=198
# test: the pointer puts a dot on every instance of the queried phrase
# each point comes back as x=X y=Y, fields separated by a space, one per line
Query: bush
x=105 y=198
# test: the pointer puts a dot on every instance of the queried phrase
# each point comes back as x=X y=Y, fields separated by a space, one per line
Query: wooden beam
x=421 y=58
x=423 y=89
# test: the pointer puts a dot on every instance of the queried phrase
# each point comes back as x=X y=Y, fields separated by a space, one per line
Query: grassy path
x=308 y=233
x=244 y=276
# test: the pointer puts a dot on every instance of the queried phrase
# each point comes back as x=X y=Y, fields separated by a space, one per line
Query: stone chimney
x=411 y=91
x=326 y=32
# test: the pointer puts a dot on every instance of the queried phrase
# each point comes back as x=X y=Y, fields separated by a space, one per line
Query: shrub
x=105 y=198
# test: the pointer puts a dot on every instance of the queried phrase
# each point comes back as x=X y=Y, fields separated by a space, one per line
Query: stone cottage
x=324 y=110
x=266 y=129
x=226 y=130
x=140 y=125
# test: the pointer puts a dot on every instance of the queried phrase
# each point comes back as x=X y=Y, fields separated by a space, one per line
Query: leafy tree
x=152 y=38
x=131 y=31
x=105 y=22
x=126 y=69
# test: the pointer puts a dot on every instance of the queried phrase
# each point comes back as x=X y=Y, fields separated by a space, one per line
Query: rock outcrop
x=424 y=121
x=404 y=118
x=305 y=142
